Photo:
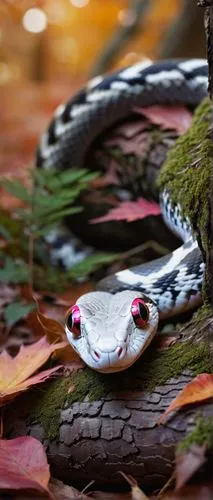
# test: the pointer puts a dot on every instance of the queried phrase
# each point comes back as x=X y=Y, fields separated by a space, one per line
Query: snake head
x=110 y=332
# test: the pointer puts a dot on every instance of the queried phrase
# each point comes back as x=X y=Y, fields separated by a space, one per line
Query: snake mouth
x=113 y=369
x=107 y=360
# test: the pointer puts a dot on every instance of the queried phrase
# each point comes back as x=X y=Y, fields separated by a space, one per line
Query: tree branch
x=137 y=10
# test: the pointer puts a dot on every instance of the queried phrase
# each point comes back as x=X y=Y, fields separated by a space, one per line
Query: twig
x=145 y=246
x=31 y=243
x=184 y=37
x=137 y=10
x=166 y=486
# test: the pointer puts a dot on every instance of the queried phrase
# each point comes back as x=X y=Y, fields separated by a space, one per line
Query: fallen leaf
x=168 y=117
x=139 y=146
x=130 y=211
x=197 y=492
x=55 y=332
x=199 y=389
x=16 y=311
x=15 y=372
x=137 y=493
x=188 y=463
x=127 y=129
x=23 y=464
x=62 y=491
x=8 y=294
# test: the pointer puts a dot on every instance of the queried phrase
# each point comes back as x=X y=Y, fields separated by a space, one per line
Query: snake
x=112 y=326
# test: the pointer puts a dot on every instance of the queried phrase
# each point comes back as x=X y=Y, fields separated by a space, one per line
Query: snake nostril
x=96 y=354
x=119 y=351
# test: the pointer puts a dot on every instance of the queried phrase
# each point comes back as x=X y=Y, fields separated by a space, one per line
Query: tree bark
x=118 y=432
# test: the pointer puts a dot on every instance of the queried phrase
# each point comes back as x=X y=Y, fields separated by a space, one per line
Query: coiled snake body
x=110 y=328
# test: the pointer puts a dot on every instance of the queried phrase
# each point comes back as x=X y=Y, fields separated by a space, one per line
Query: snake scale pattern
x=110 y=328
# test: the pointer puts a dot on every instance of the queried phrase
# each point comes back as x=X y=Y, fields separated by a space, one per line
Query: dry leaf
x=23 y=464
x=55 y=332
x=188 y=463
x=168 y=117
x=62 y=491
x=137 y=493
x=130 y=211
x=199 y=389
x=15 y=372
x=197 y=492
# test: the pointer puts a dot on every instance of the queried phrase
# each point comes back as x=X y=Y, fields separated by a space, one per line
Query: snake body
x=110 y=328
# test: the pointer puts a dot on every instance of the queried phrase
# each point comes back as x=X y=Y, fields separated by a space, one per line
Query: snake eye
x=73 y=323
x=140 y=312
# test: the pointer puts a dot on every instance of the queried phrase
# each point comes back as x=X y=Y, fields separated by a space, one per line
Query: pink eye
x=140 y=312
x=73 y=322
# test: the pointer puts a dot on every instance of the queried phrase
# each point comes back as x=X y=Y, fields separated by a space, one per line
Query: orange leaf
x=23 y=464
x=55 y=332
x=15 y=372
x=199 y=389
x=52 y=328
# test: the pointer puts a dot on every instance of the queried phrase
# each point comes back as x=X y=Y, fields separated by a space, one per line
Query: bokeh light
x=35 y=20
x=79 y=3
x=127 y=17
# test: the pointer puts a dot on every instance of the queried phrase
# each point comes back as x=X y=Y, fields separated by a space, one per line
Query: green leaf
x=14 y=272
x=11 y=225
x=89 y=177
x=16 y=311
x=52 y=199
x=67 y=211
x=17 y=189
x=91 y=263
x=5 y=233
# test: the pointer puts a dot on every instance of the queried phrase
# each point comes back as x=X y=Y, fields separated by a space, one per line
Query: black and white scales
x=173 y=282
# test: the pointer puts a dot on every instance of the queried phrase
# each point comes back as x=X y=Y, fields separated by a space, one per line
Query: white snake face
x=110 y=332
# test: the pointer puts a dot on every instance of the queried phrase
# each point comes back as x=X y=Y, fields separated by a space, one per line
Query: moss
x=47 y=406
x=186 y=176
x=154 y=368
x=202 y=314
x=186 y=173
x=201 y=435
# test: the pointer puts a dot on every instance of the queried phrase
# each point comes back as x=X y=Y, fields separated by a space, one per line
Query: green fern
x=51 y=199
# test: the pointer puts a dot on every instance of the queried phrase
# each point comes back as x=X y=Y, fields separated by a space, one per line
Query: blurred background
x=48 y=48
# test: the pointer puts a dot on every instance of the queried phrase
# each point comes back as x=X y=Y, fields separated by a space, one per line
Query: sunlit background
x=48 y=48
x=63 y=39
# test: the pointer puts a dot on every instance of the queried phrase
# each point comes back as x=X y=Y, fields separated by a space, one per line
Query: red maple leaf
x=130 y=211
x=168 y=117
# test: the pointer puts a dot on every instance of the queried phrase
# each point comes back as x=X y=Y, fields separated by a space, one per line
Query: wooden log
x=94 y=437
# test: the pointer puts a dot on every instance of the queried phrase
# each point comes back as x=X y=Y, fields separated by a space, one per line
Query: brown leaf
x=139 y=145
x=199 y=389
x=168 y=117
x=55 y=332
x=197 y=492
x=137 y=493
x=130 y=211
x=128 y=129
x=188 y=463
x=23 y=464
x=62 y=491
x=15 y=372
